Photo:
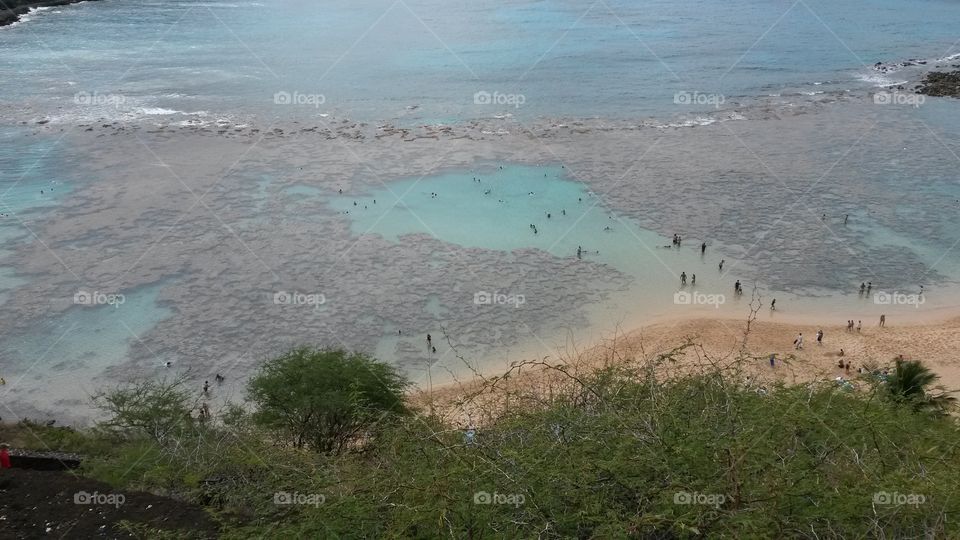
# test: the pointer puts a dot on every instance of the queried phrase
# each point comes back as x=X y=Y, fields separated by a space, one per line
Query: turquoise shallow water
x=32 y=180
x=491 y=209
x=92 y=337
x=494 y=208
x=61 y=362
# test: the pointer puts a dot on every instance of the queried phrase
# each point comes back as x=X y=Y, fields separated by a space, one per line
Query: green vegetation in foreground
x=612 y=454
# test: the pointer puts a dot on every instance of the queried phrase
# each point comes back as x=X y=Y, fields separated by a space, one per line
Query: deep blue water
x=373 y=60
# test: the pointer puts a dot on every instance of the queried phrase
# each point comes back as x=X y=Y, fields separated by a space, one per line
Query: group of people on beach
x=841 y=364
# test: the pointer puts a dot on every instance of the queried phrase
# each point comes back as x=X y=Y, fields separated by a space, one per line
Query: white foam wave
x=949 y=58
x=879 y=80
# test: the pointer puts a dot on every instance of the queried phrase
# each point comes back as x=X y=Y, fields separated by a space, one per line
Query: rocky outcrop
x=941 y=84
x=11 y=10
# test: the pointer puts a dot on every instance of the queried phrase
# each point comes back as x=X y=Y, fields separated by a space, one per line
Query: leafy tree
x=325 y=399
x=911 y=383
x=156 y=409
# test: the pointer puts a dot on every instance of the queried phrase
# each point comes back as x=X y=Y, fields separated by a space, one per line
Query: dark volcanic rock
x=940 y=83
x=11 y=10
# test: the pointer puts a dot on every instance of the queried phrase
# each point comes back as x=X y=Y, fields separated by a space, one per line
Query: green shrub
x=325 y=399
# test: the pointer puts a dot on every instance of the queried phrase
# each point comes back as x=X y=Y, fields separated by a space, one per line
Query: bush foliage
x=621 y=452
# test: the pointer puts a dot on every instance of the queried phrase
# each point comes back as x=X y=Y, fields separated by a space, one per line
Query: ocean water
x=423 y=60
x=202 y=157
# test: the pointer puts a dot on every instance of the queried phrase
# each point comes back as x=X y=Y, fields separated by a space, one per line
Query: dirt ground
x=44 y=504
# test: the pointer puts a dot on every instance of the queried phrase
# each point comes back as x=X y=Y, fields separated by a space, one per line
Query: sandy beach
x=699 y=341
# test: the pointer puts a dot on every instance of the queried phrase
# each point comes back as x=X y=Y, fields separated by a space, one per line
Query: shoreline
x=12 y=15
x=932 y=339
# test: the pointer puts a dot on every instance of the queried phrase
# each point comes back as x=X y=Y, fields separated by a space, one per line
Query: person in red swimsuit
x=4 y=456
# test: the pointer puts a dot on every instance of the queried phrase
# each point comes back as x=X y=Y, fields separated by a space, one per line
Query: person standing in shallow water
x=703 y=248
x=721 y=264
x=773 y=305
x=683 y=278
